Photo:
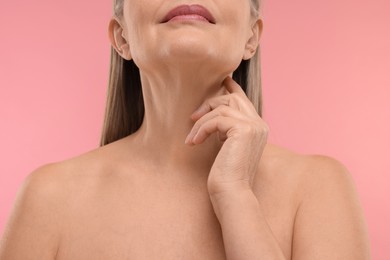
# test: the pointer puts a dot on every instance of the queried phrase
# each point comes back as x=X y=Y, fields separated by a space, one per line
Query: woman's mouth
x=189 y=12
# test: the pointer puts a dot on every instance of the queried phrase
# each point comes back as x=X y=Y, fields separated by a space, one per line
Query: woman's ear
x=254 y=40
x=118 y=38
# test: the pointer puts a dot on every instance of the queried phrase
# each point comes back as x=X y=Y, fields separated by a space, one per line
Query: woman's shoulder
x=304 y=175
x=328 y=216
x=301 y=165
x=93 y=162
x=47 y=195
x=62 y=178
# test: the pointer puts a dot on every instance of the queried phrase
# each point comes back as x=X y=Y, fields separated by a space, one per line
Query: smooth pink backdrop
x=326 y=85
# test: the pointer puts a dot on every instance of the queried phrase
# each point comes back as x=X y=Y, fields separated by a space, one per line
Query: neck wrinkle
x=169 y=102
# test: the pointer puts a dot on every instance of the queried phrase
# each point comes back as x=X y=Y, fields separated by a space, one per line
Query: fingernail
x=197 y=110
x=187 y=139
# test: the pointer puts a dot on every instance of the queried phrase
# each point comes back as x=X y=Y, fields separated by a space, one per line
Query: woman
x=185 y=170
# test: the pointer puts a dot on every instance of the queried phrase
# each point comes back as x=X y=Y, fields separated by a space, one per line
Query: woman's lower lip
x=189 y=17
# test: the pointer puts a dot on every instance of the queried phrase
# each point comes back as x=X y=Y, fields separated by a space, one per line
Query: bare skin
x=112 y=203
x=146 y=196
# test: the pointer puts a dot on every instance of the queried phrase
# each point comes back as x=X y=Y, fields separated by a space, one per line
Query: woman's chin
x=195 y=55
x=187 y=55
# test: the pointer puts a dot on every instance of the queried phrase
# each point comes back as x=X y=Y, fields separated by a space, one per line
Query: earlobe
x=253 y=42
x=118 y=39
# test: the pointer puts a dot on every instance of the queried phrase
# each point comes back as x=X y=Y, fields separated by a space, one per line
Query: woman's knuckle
x=248 y=129
x=223 y=109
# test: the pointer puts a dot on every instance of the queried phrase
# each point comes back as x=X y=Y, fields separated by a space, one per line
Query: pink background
x=326 y=80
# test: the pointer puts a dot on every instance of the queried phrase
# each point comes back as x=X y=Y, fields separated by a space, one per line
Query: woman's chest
x=163 y=224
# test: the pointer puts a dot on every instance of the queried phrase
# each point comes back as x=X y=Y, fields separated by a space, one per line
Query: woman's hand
x=243 y=132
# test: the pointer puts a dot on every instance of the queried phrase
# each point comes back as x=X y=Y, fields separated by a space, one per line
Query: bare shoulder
x=329 y=221
x=64 y=177
x=37 y=219
x=310 y=170
x=33 y=228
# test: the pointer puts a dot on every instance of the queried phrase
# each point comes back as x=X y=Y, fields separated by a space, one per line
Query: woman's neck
x=170 y=99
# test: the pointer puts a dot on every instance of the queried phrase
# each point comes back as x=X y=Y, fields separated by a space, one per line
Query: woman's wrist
x=225 y=200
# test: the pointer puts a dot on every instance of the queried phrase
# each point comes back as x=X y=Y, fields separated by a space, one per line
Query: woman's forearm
x=246 y=234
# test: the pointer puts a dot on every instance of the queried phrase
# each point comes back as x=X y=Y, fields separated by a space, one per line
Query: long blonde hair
x=124 y=111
